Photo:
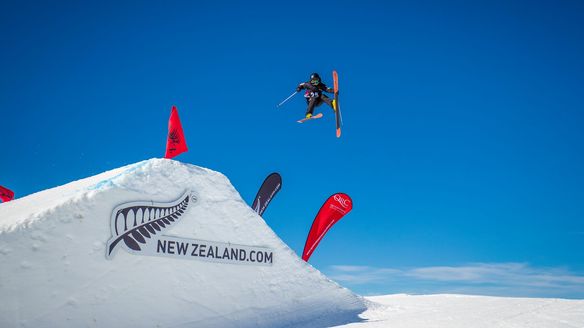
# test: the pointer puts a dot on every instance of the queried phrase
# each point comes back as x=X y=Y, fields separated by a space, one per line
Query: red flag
x=176 y=143
x=6 y=194
x=335 y=207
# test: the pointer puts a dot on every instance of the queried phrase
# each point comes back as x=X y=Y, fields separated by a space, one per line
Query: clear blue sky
x=463 y=143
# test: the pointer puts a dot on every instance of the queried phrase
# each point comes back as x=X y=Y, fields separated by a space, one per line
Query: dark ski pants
x=314 y=102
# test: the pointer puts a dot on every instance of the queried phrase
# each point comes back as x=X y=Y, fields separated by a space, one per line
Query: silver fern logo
x=134 y=224
x=138 y=228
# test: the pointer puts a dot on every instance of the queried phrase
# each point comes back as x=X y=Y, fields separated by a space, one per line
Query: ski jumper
x=314 y=96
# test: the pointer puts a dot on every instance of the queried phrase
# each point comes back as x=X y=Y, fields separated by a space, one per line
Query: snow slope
x=462 y=311
x=54 y=271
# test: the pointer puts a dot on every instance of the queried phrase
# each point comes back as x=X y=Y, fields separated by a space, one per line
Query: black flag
x=267 y=191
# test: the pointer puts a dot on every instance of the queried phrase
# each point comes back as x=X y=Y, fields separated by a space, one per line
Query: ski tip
x=338 y=133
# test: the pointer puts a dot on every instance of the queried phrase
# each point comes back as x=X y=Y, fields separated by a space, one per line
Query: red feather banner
x=330 y=213
x=6 y=194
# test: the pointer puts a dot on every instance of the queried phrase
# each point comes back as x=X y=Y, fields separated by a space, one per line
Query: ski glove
x=298 y=89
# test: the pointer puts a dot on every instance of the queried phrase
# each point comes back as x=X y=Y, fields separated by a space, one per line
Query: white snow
x=463 y=311
x=54 y=271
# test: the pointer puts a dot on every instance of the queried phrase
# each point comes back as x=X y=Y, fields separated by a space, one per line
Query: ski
x=319 y=115
x=337 y=107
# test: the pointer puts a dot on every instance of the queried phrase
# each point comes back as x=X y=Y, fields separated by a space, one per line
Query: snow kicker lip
x=135 y=223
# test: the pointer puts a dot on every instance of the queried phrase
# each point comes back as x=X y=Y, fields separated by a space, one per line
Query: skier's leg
x=312 y=102
x=327 y=100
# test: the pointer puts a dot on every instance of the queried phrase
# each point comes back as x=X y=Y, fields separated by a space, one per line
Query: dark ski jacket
x=313 y=90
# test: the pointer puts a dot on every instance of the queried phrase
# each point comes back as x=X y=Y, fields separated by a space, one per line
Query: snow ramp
x=155 y=244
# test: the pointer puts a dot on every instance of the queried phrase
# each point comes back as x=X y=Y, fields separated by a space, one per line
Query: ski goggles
x=314 y=82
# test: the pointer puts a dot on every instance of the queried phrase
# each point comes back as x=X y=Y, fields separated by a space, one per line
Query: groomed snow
x=463 y=311
x=54 y=271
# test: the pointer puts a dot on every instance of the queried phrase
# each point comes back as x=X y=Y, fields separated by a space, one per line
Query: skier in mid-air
x=314 y=94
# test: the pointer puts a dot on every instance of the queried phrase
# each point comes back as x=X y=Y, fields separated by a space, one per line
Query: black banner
x=267 y=191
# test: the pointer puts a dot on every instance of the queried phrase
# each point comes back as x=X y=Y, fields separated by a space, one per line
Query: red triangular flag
x=176 y=143
x=6 y=194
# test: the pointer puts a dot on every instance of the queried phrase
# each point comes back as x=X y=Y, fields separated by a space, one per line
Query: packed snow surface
x=55 y=272
x=106 y=252
x=462 y=311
